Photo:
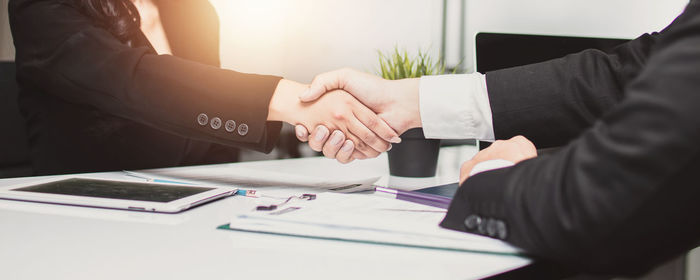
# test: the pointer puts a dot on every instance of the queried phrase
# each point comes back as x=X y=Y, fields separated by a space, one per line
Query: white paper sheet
x=368 y=219
x=233 y=175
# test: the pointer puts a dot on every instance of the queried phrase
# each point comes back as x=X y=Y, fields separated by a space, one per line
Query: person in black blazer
x=97 y=96
x=622 y=193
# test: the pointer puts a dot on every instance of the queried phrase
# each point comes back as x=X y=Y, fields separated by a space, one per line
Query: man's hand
x=396 y=102
x=514 y=150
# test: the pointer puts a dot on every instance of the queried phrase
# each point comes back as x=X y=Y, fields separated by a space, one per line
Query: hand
x=515 y=150
x=396 y=102
x=336 y=111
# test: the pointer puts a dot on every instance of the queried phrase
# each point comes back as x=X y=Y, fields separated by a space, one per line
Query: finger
x=345 y=153
x=301 y=133
x=332 y=146
x=358 y=155
x=464 y=171
x=318 y=138
x=321 y=84
x=368 y=137
x=377 y=125
x=525 y=144
x=362 y=147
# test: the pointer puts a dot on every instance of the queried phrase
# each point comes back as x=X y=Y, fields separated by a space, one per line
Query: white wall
x=298 y=39
x=7 y=50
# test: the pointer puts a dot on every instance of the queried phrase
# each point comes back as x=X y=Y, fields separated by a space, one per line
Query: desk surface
x=41 y=241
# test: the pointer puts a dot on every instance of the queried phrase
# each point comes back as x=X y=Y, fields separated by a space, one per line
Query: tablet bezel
x=9 y=192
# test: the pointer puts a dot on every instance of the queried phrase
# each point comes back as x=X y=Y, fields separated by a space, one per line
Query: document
x=366 y=218
x=251 y=177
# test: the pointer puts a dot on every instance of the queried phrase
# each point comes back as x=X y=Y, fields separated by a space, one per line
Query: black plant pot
x=415 y=156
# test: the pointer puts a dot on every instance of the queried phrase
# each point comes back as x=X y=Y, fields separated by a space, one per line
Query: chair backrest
x=495 y=51
x=14 y=151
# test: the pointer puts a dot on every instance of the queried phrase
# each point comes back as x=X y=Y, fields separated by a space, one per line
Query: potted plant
x=415 y=156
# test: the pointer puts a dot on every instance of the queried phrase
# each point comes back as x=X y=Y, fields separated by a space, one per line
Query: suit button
x=501 y=230
x=491 y=228
x=202 y=119
x=243 y=129
x=472 y=222
x=481 y=228
x=215 y=123
x=230 y=125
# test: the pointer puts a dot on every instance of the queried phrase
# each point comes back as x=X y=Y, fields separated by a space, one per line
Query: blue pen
x=249 y=193
x=154 y=180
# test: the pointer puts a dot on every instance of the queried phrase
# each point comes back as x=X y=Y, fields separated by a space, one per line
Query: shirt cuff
x=490 y=165
x=455 y=107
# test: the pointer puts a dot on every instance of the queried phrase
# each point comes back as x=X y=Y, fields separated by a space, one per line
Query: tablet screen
x=115 y=189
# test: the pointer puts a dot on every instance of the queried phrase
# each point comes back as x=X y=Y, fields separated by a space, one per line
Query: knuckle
x=318 y=79
x=368 y=138
x=372 y=122
x=337 y=115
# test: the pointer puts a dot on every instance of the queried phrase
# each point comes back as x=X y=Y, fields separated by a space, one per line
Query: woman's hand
x=334 y=117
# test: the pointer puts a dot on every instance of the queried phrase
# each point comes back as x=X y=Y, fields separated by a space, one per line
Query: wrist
x=284 y=101
x=405 y=96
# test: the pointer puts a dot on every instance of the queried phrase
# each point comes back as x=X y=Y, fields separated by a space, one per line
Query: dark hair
x=119 y=17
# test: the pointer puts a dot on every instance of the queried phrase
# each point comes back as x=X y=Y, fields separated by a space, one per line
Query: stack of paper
x=241 y=176
x=367 y=219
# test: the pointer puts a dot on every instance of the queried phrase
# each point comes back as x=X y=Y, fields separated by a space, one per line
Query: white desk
x=43 y=241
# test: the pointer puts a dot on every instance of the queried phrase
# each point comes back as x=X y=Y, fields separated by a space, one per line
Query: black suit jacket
x=93 y=103
x=623 y=194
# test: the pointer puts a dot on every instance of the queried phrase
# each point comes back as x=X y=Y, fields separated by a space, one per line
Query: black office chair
x=14 y=151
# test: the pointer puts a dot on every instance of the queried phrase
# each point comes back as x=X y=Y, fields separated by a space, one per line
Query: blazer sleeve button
x=230 y=126
x=481 y=228
x=242 y=129
x=202 y=119
x=491 y=228
x=472 y=222
x=215 y=123
x=501 y=230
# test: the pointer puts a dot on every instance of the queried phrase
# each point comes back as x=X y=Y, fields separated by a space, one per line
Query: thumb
x=323 y=83
x=312 y=93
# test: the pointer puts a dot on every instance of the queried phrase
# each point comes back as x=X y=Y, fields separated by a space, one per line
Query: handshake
x=351 y=115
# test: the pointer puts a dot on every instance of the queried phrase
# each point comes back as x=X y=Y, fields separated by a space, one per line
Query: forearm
x=552 y=102
x=616 y=199
x=62 y=53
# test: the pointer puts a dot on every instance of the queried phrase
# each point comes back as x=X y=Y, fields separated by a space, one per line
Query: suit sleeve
x=551 y=102
x=62 y=53
x=623 y=196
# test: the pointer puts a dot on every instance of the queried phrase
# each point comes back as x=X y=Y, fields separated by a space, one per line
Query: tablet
x=126 y=195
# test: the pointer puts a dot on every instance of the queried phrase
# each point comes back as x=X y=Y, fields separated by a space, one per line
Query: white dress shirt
x=457 y=107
